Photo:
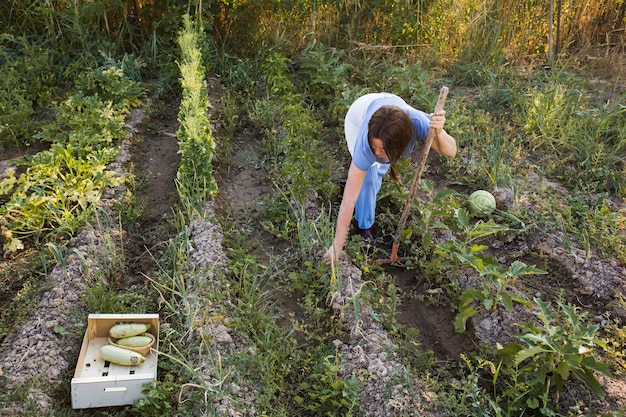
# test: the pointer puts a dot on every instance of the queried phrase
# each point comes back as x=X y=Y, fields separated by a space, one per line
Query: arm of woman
x=443 y=143
x=346 y=210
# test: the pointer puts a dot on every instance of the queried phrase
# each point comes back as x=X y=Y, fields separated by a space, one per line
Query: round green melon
x=481 y=203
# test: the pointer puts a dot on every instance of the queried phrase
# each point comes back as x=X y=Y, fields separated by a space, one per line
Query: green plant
x=64 y=184
x=496 y=279
x=112 y=85
x=172 y=284
x=158 y=399
x=15 y=111
x=549 y=354
x=305 y=280
x=27 y=80
x=324 y=392
x=466 y=396
x=195 y=172
x=323 y=73
x=106 y=298
x=616 y=344
x=616 y=336
x=579 y=143
x=27 y=279
x=462 y=250
x=605 y=228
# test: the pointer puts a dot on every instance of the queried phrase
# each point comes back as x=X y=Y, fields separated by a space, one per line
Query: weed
x=324 y=391
x=413 y=353
x=549 y=354
x=23 y=283
x=158 y=398
x=466 y=396
x=324 y=74
x=616 y=345
x=496 y=279
x=616 y=336
x=574 y=138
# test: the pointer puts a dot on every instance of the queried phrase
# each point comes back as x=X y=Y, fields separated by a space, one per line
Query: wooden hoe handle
x=417 y=180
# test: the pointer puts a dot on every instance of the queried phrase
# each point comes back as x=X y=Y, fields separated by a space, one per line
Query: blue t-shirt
x=363 y=157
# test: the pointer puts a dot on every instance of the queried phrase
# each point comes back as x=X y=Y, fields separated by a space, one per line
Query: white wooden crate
x=97 y=383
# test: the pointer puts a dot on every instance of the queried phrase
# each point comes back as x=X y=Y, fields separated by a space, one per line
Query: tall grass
x=575 y=139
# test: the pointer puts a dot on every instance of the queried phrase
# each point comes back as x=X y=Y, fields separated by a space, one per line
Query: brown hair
x=394 y=128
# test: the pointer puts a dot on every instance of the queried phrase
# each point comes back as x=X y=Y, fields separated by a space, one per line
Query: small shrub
x=550 y=354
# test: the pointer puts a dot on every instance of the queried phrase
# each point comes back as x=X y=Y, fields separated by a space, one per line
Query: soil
x=152 y=155
x=434 y=323
x=154 y=162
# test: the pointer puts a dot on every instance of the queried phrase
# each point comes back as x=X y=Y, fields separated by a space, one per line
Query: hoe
x=417 y=181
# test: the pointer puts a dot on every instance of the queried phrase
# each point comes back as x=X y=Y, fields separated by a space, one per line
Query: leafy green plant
x=274 y=69
x=195 y=172
x=465 y=247
x=64 y=183
x=496 y=279
x=158 y=400
x=112 y=85
x=467 y=396
x=323 y=73
x=26 y=82
x=325 y=393
x=548 y=354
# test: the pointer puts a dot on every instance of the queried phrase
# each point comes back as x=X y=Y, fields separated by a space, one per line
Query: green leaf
x=474 y=261
x=462 y=217
x=60 y=330
x=563 y=370
x=494 y=270
x=506 y=301
x=482 y=229
x=518 y=268
x=460 y=321
x=477 y=248
x=520 y=300
x=532 y=403
x=590 y=381
x=591 y=363
x=508 y=353
x=574 y=360
x=571 y=313
x=406 y=234
x=468 y=296
x=426 y=240
x=545 y=311
x=529 y=352
x=539 y=338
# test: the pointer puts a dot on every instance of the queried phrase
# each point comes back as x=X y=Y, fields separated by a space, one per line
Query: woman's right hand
x=351 y=192
x=331 y=256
